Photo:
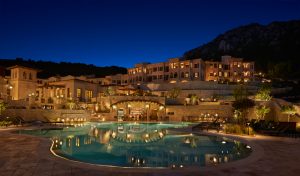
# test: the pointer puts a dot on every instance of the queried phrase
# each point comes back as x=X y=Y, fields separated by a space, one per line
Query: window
x=171 y=113
x=220 y=73
x=196 y=75
x=196 y=65
x=211 y=74
x=161 y=68
x=220 y=65
x=182 y=74
x=166 y=77
x=226 y=67
x=186 y=75
x=24 y=75
x=160 y=76
x=182 y=65
x=166 y=69
x=78 y=93
x=175 y=75
x=88 y=94
x=225 y=74
x=30 y=76
x=68 y=92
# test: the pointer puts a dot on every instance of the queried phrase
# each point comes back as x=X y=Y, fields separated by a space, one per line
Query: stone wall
x=47 y=115
x=177 y=113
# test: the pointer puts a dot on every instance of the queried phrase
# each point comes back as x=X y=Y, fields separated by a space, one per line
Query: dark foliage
x=63 y=68
x=243 y=104
x=274 y=47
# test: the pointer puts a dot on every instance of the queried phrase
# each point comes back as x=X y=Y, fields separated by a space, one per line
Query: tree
x=109 y=91
x=261 y=112
x=2 y=107
x=242 y=105
x=240 y=92
x=264 y=93
x=71 y=104
x=194 y=99
x=289 y=110
x=174 y=92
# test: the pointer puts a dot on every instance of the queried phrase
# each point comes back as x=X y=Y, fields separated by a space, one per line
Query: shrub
x=238 y=129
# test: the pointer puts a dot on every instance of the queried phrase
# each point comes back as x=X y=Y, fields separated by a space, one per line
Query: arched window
x=24 y=75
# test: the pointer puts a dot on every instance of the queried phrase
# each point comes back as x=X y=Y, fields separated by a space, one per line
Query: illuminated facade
x=176 y=70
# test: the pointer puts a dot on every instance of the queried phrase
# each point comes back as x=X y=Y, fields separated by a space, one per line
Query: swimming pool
x=156 y=145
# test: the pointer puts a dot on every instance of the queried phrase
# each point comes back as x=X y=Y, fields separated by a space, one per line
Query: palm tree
x=289 y=110
x=261 y=112
x=194 y=99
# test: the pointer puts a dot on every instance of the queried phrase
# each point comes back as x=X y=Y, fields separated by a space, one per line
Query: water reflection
x=144 y=145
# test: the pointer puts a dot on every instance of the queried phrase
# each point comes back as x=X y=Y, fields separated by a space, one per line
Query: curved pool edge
x=256 y=153
x=46 y=145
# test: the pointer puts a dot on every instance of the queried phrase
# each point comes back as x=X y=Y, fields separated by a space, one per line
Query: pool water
x=141 y=145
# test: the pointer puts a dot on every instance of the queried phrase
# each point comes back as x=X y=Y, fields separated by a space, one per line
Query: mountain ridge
x=273 y=47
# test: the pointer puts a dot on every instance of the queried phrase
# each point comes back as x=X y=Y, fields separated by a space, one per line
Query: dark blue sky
x=124 y=32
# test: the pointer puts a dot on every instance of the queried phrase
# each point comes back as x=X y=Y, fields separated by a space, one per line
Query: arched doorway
x=138 y=110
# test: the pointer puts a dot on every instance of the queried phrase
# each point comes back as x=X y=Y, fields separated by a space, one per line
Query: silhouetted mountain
x=274 y=47
x=63 y=68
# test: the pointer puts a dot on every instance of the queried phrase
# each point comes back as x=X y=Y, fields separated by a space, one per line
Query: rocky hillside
x=274 y=47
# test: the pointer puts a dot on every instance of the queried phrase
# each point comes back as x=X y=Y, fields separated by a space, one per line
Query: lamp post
x=248 y=125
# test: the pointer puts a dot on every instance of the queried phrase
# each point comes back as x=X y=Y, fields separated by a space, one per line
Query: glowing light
x=223 y=142
x=113 y=134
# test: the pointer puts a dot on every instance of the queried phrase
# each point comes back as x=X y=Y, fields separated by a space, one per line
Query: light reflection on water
x=141 y=145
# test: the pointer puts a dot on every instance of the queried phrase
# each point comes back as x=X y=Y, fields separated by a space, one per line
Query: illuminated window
x=220 y=73
x=88 y=94
x=225 y=74
x=196 y=75
x=186 y=74
x=182 y=65
x=78 y=93
x=220 y=65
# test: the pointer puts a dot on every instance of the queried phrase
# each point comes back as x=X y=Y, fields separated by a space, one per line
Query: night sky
x=124 y=32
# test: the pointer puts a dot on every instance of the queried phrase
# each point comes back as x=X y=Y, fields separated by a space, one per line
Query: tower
x=23 y=81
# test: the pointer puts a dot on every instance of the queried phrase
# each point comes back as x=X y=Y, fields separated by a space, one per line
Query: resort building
x=146 y=92
x=177 y=70
x=229 y=70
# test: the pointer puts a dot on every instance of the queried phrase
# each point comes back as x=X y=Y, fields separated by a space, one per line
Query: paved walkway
x=30 y=156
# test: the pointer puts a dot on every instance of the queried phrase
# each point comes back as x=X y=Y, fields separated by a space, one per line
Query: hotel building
x=176 y=70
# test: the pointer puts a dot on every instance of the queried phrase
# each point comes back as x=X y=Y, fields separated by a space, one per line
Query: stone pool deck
x=22 y=155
